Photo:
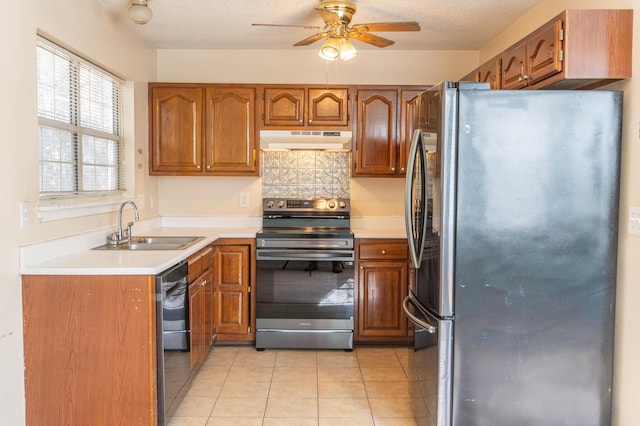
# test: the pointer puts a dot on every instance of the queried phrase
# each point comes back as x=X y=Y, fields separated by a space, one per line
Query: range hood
x=328 y=140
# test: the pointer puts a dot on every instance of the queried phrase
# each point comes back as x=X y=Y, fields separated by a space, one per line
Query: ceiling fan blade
x=308 y=27
x=371 y=39
x=307 y=41
x=387 y=26
x=328 y=17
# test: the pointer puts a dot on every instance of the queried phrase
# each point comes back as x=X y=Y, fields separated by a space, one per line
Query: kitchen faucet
x=118 y=237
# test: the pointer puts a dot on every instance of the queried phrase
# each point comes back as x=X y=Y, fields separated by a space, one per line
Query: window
x=80 y=135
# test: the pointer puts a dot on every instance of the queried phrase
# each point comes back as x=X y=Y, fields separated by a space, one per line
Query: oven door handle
x=331 y=255
x=300 y=216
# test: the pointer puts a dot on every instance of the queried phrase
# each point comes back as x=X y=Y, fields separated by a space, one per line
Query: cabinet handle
x=383 y=252
x=203 y=283
x=310 y=121
x=362 y=268
x=208 y=166
x=393 y=169
x=402 y=169
x=301 y=121
x=198 y=166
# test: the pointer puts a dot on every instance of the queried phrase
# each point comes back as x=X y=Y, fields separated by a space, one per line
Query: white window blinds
x=81 y=147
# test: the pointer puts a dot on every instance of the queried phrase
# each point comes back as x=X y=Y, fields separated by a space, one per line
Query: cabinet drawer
x=199 y=263
x=384 y=251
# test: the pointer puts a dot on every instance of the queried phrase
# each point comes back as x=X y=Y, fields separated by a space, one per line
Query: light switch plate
x=24 y=215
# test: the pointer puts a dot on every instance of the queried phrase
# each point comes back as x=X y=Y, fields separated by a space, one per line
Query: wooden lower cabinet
x=89 y=349
x=382 y=274
x=201 y=301
x=234 y=273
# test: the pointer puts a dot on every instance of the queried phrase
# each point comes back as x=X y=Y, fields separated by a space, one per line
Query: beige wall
x=627 y=349
x=290 y=67
x=102 y=37
x=98 y=36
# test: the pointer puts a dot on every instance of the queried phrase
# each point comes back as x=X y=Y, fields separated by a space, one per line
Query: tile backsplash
x=305 y=174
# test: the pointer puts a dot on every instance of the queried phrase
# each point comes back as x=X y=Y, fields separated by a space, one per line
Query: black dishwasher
x=172 y=335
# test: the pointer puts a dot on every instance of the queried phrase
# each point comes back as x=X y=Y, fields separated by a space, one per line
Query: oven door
x=430 y=366
x=304 y=298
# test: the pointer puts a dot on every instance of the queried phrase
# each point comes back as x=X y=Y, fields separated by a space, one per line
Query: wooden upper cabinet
x=376 y=141
x=304 y=107
x=490 y=72
x=597 y=48
x=513 y=67
x=409 y=120
x=534 y=59
x=176 y=129
x=577 y=49
x=199 y=129
x=283 y=107
x=328 y=107
x=544 y=52
x=230 y=142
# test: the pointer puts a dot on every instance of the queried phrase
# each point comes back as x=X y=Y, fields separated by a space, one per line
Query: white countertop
x=378 y=227
x=74 y=255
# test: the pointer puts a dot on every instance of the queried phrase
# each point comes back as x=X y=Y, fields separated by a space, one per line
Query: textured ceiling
x=226 y=24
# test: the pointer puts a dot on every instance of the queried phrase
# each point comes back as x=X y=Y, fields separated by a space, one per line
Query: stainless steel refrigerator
x=512 y=221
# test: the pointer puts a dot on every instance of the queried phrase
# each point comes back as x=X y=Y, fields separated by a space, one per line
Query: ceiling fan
x=337 y=15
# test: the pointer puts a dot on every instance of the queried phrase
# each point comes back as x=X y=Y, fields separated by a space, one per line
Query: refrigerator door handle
x=415 y=253
x=417 y=321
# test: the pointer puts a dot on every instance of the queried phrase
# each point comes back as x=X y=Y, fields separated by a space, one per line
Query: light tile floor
x=240 y=386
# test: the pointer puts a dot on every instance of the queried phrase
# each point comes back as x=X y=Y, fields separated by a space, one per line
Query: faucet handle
x=113 y=238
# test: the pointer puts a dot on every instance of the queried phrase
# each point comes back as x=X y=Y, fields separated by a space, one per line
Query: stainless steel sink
x=153 y=243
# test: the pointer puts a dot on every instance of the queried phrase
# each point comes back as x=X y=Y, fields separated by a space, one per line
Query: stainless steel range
x=305 y=275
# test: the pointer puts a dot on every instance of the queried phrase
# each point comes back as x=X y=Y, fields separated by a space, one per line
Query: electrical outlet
x=634 y=220
x=244 y=199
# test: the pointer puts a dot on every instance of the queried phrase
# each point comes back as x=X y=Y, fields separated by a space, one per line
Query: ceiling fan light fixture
x=347 y=50
x=330 y=50
x=139 y=12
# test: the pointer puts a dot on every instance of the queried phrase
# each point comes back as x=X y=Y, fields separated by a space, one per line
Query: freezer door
x=536 y=256
x=429 y=366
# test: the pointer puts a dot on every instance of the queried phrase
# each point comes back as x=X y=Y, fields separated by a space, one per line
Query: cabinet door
x=231 y=286
x=176 y=129
x=513 y=71
x=543 y=53
x=209 y=330
x=376 y=141
x=381 y=288
x=230 y=147
x=472 y=76
x=328 y=107
x=408 y=123
x=489 y=72
x=283 y=107
x=196 y=323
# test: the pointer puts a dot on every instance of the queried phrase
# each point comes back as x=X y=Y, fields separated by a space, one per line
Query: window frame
x=77 y=130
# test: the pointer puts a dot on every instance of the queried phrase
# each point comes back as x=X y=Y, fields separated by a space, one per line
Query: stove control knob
x=280 y=204
x=331 y=204
x=342 y=205
x=269 y=204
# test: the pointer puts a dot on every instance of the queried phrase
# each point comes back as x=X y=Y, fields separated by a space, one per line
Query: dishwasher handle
x=422 y=323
